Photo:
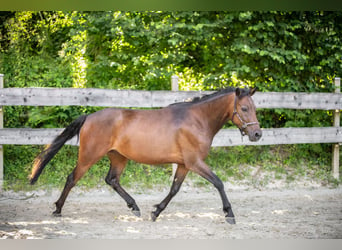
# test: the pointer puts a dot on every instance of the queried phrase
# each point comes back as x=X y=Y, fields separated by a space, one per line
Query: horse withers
x=180 y=133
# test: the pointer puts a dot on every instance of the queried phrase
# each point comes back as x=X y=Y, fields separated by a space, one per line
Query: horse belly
x=150 y=149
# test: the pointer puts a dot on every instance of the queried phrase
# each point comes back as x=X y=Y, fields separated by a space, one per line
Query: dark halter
x=244 y=124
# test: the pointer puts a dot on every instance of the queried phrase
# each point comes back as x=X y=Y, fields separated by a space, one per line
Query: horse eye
x=244 y=108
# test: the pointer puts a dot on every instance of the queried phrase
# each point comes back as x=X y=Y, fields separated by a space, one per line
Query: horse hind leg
x=72 y=179
x=87 y=157
x=117 y=165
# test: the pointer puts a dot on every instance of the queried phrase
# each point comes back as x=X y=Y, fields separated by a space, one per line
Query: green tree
x=275 y=51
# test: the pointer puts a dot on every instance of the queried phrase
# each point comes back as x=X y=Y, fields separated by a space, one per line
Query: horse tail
x=51 y=150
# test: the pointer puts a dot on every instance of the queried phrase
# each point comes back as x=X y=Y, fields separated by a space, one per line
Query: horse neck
x=217 y=111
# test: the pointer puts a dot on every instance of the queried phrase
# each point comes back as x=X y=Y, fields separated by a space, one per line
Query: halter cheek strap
x=244 y=124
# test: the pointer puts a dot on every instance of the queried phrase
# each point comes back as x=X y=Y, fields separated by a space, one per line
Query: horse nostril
x=258 y=134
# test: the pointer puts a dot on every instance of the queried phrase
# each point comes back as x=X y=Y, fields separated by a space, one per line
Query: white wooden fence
x=152 y=99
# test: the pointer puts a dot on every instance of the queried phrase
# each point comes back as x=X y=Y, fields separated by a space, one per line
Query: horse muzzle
x=254 y=135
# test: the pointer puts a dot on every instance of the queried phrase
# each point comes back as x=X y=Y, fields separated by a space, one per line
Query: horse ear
x=252 y=91
x=237 y=92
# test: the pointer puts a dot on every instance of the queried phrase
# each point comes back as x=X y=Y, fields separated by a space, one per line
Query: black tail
x=51 y=150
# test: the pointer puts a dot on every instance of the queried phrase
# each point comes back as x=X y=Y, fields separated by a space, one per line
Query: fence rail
x=224 y=138
x=153 y=99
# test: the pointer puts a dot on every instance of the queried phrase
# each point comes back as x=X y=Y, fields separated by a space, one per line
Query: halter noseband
x=244 y=124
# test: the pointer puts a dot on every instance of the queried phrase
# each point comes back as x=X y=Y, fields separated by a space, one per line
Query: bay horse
x=180 y=133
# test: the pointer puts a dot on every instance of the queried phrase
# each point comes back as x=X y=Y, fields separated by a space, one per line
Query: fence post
x=174 y=87
x=1 y=149
x=336 y=147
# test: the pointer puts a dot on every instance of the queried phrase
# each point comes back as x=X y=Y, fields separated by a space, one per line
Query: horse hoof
x=153 y=216
x=136 y=213
x=231 y=220
x=57 y=214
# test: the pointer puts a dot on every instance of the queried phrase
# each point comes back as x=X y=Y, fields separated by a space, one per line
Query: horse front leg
x=176 y=184
x=117 y=165
x=201 y=168
x=113 y=180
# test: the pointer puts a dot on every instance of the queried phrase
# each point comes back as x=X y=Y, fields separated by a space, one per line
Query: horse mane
x=198 y=99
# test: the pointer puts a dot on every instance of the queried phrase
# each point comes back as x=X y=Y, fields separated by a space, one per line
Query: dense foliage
x=274 y=51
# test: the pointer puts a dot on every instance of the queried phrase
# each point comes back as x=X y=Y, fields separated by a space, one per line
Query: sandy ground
x=195 y=213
